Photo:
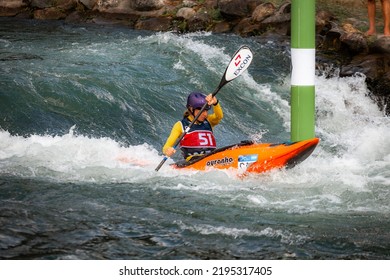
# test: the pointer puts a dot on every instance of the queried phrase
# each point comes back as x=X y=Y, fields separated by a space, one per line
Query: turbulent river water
x=85 y=110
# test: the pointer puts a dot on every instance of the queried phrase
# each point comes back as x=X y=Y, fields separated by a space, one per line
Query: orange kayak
x=253 y=157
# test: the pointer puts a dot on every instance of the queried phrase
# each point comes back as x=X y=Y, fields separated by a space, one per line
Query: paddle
x=237 y=65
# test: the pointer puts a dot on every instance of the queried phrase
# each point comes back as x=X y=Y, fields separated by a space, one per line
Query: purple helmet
x=196 y=100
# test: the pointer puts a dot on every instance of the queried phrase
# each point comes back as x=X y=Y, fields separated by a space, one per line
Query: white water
x=353 y=155
x=106 y=193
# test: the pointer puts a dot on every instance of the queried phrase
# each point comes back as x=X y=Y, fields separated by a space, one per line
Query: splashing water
x=84 y=112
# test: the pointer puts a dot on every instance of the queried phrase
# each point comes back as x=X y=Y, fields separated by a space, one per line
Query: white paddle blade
x=239 y=63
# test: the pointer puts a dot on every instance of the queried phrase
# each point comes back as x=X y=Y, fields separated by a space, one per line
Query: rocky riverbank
x=340 y=44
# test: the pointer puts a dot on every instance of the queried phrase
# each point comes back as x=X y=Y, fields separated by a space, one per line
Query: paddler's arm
x=176 y=131
x=217 y=116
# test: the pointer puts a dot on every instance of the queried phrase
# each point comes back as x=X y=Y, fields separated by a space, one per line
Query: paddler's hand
x=211 y=100
x=170 y=152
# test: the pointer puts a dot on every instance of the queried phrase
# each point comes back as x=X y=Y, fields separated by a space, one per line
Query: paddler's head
x=195 y=102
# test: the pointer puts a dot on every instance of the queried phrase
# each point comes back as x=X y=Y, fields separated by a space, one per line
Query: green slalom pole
x=303 y=69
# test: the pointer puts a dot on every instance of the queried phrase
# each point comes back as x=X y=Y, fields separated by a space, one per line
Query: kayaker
x=200 y=139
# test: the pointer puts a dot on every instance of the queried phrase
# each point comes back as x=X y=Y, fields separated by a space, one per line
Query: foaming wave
x=73 y=157
x=349 y=170
x=355 y=133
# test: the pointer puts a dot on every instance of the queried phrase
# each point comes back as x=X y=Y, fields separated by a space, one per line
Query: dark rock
x=199 y=22
x=323 y=22
x=185 y=13
x=41 y=4
x=376 y=68
x=147 y=5
x=211 y=4
x=222 y=27
x=50 y=14
x=128 y=20
x=382 y=45
x=11 y=8
x=355 y=42
x=279 y=22
x=339 y=44
x=247 y=28
x=263 y=11
x=155 y=24
x=237 y=9
x=44 y=4
x=89 y=4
